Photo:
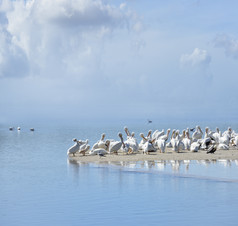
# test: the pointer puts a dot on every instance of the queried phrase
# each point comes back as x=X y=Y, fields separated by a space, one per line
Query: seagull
x=212 y=149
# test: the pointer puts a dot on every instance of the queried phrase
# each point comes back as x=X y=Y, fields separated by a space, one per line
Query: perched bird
x=212 y=149
x=100 y=154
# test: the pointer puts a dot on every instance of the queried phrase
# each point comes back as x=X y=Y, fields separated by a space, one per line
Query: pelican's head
x=143 y=137
x=107 y=143
x=132 y=134
x=120 y=135
x=103 y=136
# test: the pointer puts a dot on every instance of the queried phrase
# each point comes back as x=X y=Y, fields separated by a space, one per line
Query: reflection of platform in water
x=213 y=171
x=159 y=165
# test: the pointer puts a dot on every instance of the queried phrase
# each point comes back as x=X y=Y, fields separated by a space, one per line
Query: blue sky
x=95 y=60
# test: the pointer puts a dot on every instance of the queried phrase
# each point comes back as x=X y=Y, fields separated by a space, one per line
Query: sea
x=40 y=186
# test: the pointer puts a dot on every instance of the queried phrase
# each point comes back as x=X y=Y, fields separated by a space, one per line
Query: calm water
x=39 y=186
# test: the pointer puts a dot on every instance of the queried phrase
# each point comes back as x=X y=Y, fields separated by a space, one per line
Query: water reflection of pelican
x=204 y=162
x=224 y=162
x=132 y=165
x=186 y=163
x=175 y=164
x=236 y=162
x=160 y=165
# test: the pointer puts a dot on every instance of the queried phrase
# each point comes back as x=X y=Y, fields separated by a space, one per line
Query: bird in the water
x=192 y=129
x=212 y=149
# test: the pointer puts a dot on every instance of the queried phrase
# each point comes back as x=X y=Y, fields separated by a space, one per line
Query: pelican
x=195 y=146
x=84 y=149
x=98 y=151
x=160 y=144
x=197 y=134
x=131 y=142
x=144 y=139
x=115 y=146
x=156 y=134
x=166 y=136
x=216 y=135
x=100 y=143
x=222 y=147
x=148 y=145
x=169 y=145
x=176 y=142
x=225 y=139
x=186 y=140
x=75 y=147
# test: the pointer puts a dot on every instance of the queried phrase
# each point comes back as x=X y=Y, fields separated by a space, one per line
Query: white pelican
x=195 y=146
x=74 y=148
x=164 y=137
x=216 y=135
x=84 y=147
x=115 y=146
x=148 y=145
x=131 y=142
x=186 y=140
x=160 y=144
x=176 y=142
x=83 y=150
x=156 y=134
x=169 y=145
x=100 y=143
x=197 y=134
x=222 y=146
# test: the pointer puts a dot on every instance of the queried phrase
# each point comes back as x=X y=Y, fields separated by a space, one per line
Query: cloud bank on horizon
x=87 y=59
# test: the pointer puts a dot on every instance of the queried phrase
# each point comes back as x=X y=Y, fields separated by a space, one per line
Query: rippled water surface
x=39 y=186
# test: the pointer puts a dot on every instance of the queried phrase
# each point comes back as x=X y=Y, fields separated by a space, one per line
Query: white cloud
x=57 y=37
x=198 y=58
x=229 y=44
